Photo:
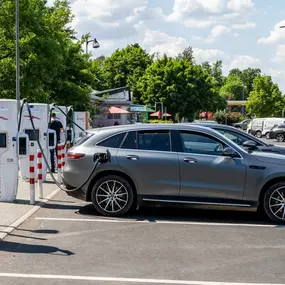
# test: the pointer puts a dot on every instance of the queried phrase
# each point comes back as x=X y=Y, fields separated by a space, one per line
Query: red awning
x=156 y=114
x=116 y=110
x=167 y=115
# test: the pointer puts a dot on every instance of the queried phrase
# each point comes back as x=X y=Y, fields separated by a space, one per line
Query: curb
x=27 y=215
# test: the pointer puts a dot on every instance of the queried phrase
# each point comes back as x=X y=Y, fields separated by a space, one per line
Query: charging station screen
x=31 y=134
x=3 y=140
x=51 y=139
x=22 y=146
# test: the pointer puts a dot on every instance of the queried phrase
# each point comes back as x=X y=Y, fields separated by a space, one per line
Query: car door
x=205 y=172
x=146 y=156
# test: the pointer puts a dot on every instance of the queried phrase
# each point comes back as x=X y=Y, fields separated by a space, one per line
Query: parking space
x=67 y=242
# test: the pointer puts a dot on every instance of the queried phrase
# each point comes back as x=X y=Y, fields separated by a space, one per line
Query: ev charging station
x=82 y=120
x=47 y=138
x=13 y=146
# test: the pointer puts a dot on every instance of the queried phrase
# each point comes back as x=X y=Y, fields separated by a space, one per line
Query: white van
x=255 y=127
x=269 y=123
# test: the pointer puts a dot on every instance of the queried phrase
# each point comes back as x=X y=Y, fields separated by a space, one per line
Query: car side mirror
x=229 y=152
x=250 y=145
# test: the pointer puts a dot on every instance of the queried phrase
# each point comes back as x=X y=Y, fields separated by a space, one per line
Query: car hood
x=269 y=157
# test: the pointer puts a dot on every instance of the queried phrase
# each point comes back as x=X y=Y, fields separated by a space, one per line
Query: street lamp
x=17 y=58
x=95 y=43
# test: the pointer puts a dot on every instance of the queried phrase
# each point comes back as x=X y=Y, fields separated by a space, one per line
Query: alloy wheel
x=277 y=203
x=112 y=196
x=280 y=138
x=258 y=134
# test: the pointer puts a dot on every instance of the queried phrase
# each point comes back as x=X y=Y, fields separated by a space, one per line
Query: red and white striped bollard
x=32 y=179
x=40 y=173
x=59 y=163
x=62 y=156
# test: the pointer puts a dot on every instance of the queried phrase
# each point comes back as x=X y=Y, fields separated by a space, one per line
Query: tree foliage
x=185 y=88
x=247 y=77
x=266 y=99
x=125 y=67
x=53 y=66
x=215 y=70
x=233 y=89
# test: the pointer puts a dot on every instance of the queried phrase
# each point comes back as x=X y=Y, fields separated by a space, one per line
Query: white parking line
x=158 y=222
x=126 y=280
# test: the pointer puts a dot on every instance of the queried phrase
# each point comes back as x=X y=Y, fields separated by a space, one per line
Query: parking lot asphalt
x=67 y=242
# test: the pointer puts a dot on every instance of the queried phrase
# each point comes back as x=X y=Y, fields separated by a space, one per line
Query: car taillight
x=75 y=155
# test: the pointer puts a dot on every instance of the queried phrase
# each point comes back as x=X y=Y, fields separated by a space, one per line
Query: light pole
x=95 y=43
x=18 y=97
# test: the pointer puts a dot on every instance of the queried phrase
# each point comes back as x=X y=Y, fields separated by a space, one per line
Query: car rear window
x=83 y=139
x=114 y=141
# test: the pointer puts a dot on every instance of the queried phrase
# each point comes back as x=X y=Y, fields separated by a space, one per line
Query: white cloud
x=244 y=26
x=219 y=31
x=182 y=7
x=210 y=55
x=216 y=32
x=207 y=13
x=110 y=19
x=278 y=77
x=244 y=61
x=280 y=54
x=158 y=42
x=276 y=35
x=240 y=5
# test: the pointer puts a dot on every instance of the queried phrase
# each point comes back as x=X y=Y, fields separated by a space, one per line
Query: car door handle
x=132 y=157
x=190 y=160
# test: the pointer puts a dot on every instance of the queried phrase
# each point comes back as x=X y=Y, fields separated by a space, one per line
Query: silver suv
x=188 y=164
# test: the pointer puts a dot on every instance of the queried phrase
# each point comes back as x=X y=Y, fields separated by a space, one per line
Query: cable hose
x=46 y=161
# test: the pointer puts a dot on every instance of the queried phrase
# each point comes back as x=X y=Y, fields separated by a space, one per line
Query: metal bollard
x=32 y=179
x=62 y=156
x=40 y=173
x=67 y=146
x=59 y=163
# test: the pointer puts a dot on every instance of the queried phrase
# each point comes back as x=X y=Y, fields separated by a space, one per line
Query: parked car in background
x=255 y=127
x=242 y=125
x=173 y=163
x=261 y=126
x=269 y=123
x=278 y=133
x=245 y=140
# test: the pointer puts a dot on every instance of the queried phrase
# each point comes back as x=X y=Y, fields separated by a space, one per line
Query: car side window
x=237 y=138
x=158 y=140
x=130 y=141
x=199 y=143
x=113 y=141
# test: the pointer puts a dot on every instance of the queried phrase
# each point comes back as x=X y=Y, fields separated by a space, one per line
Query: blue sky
x=242 y=33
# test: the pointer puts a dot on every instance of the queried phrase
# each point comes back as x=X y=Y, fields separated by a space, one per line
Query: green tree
x=266 y=99
x=187 y=54
x=233 y=89
x=247 y=77
x=125 y=67
x=215 y=70
x=53 y=66
x=185 y=88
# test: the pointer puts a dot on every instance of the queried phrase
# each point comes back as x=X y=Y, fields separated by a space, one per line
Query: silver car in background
x=173 y=163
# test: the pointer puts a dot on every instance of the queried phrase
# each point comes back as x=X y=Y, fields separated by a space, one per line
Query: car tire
x=271 y=201
x=280 y=138
x=112 y=196
x=258 y=134
x=267 y=135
